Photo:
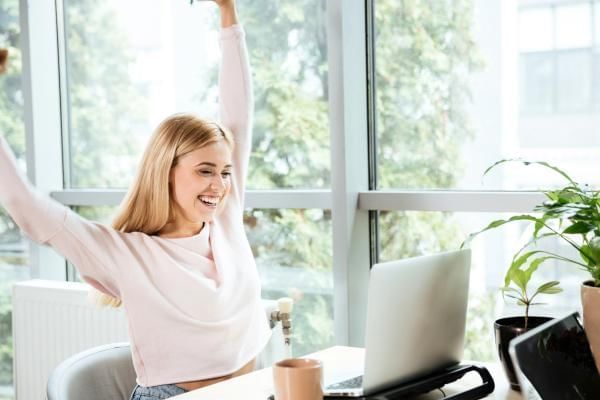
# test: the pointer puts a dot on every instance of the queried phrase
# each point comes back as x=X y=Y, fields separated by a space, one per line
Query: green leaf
x=579 y=227
x=506 y=289
x=549 y=288
x=595 y=249
x=534 y=266
x=500 y=222
x=539 y=225
x=527 y=163
x=516 y=264
x=520 y=279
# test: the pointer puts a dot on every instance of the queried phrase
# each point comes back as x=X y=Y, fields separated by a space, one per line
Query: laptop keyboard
x=352 y=383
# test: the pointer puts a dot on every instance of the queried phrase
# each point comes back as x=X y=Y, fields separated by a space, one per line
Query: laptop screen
x=556 y=360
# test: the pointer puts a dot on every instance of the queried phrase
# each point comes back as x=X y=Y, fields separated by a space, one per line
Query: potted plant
x=515 y=286
x=516 y=282
x=571 y=214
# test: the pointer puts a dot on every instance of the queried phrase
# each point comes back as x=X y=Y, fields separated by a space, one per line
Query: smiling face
x=199 y=184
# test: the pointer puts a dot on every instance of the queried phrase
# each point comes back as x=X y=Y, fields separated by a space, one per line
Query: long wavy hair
x=148 y=207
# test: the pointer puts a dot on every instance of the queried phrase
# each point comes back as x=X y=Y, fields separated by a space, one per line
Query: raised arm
x=84 y=243
x=235 y=92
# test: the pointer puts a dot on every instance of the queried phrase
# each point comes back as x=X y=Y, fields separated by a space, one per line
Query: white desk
x=339 y=362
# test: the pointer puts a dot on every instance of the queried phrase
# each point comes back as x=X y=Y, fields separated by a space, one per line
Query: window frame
x=353 y=199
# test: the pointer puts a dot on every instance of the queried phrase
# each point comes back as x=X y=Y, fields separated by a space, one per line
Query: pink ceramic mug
x=298 y=379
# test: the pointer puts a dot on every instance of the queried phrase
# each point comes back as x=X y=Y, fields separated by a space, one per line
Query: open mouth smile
x=210 y=201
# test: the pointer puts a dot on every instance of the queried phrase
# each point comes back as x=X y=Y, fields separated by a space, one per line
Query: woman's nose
x=218 y=182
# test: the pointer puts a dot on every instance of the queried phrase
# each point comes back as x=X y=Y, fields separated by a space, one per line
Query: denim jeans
x=159 y=392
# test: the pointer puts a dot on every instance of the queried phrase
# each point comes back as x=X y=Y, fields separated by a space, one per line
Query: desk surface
x=339 y=363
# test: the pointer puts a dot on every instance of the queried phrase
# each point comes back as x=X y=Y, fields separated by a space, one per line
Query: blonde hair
x=147 y=207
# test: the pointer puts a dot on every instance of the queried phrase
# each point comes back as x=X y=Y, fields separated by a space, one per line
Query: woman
x=177 y=256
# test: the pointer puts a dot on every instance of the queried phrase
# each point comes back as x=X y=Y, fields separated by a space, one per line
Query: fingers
x=3 y=60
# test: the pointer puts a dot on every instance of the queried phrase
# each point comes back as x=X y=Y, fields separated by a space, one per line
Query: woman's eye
x=226 y=174
x=205 y=172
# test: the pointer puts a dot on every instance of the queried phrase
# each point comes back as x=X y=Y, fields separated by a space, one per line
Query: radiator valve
x=284 y=314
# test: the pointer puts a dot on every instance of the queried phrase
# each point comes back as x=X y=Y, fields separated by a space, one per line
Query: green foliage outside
x=106 y=109
x=425 y=54
x=291 y=150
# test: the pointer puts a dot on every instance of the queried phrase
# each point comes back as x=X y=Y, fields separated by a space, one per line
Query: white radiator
x=53 y=320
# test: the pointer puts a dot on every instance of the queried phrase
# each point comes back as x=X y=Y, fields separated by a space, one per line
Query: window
x=448 y=92
x=14 y=259
x=458 y=88
x=129 y=66
x=157 y=61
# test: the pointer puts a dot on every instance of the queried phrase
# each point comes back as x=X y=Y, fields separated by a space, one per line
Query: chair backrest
x=103 y=372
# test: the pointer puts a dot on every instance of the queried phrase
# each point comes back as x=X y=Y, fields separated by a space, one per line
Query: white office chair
x=103 y=372
x=106 y=372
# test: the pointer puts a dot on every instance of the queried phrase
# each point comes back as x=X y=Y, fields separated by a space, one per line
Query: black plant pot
x=507 y=329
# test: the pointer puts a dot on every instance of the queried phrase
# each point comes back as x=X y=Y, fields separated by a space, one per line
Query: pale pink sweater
x=189 y=317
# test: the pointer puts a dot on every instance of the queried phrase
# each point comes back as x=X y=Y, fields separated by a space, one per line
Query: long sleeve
x=236 y=102
x=86 y=244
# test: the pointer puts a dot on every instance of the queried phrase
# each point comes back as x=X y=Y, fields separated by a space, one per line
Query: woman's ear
x=3 y=60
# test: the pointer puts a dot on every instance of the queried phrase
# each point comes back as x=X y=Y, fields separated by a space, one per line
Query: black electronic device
x=554 y=361
x=437 y=381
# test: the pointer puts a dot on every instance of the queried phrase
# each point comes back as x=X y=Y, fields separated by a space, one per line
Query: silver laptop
x=416 y=316
x=554 y=361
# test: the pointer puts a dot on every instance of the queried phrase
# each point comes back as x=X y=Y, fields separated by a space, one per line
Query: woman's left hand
x=3 y=60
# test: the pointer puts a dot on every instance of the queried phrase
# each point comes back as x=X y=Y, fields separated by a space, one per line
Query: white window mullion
x=346 y=49
x=254 y=198
x=453 y=201
x=42 y=116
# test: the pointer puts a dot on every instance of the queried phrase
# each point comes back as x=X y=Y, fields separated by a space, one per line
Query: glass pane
x=573 y=26
x=102 y=214
x=129 y=66
x=287 y=41
x=596 y=23
x=293 y=252
x=535 y=29
x=574 y=80
x=537 y=83
x=454 y=97
x=596 y=81
x=14 y=259
x=431 y=232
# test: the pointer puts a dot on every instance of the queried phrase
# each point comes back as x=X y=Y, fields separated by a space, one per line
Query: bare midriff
x=206 y=382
